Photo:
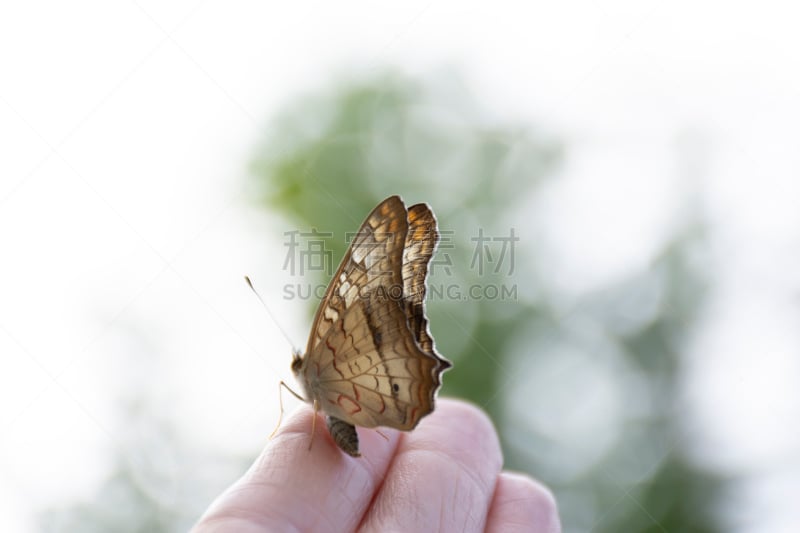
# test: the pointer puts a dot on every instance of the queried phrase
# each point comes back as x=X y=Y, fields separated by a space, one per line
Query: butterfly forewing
x=367 y=263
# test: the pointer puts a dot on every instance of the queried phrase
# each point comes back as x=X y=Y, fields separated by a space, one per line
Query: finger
x=290 y=487
x=443 y=475
x=521 y=504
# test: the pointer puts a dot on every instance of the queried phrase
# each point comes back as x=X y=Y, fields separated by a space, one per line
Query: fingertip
x=465 y=428
x=539 y=494
x=522 y=504
x=294 y=438
x=468 y=412
x=293 y=485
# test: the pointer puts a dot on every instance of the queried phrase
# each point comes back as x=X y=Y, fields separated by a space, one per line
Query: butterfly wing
x=421 y=240
x=365 y=363
x=366 y=263
x=375 y=374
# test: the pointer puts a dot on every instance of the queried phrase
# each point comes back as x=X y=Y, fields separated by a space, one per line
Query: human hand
x=443 y=476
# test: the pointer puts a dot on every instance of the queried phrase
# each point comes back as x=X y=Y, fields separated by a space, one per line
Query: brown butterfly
x=370 y=359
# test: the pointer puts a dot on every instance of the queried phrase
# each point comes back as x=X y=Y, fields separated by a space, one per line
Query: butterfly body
x=370 y=359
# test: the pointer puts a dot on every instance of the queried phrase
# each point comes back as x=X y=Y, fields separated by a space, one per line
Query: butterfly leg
x=280 y=402
x=313 y=425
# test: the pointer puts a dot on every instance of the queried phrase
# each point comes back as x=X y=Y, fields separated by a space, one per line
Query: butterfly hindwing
x=369 y=383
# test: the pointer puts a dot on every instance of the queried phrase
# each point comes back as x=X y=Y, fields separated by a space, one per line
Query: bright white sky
x=126 y=131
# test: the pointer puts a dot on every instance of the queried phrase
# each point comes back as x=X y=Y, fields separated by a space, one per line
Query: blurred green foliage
x=585 y=392
x=331 y=157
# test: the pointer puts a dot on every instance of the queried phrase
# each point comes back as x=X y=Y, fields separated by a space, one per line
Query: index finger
x=291 y=487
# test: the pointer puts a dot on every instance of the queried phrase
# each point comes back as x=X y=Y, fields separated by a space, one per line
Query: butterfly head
x=297 y=361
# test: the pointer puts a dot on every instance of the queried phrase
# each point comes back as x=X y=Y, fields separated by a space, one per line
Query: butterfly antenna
x=269 y=311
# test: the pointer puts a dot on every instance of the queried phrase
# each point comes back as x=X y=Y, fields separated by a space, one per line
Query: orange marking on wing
x=333 y=362
x=346 y=335
x=348 y=404
x=331 y=348
x=414 y=414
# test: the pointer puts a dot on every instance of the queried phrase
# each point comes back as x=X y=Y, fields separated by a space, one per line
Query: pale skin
x=446 y=475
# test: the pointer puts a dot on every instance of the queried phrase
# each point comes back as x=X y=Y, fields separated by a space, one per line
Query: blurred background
x=617 y=185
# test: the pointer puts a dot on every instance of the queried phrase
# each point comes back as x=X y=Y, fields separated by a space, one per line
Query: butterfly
x=370 y=359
